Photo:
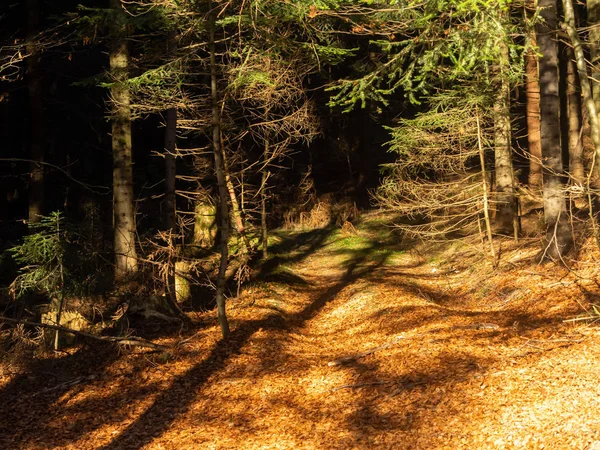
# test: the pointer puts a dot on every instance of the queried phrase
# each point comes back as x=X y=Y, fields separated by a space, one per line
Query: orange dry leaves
x=467 y=358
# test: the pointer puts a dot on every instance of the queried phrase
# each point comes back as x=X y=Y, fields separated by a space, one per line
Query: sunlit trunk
x=123 y=207
x=532 y=91
x=505 y=189
x=584 y=81
x=593 y=21
x=575 y=143
x=236 y=210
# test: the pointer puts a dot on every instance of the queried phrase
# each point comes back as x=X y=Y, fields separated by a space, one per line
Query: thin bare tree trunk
x=170 y=199
x=558 y=233
x=170 y=169
x=264 y=229
x=170 y=151
x=532 y=91
x=485 y=188
x=61 y=299
x=586 y=89
x=37 y=129
x=505 y=189
x=124 y=215
x=236 y=211
x=593 y=20
x=170 y=213
x=220 y=172
x=576 y=166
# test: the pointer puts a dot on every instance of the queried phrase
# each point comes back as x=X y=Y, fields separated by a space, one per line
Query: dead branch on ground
x=121 y=340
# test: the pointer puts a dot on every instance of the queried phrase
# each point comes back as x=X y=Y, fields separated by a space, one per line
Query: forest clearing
x=352 y=342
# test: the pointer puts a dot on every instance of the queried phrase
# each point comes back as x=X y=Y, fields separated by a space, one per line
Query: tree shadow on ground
x=31 y=398
x=169 y=405
x=176 y=400
x=33 y=403
x=292 y=248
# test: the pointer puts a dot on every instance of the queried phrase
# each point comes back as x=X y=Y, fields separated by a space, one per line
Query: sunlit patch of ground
x=371 y=346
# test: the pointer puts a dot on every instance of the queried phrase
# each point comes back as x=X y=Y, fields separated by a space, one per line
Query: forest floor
x=345 y=341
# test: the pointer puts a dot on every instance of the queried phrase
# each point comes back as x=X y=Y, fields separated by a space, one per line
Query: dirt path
x=353 y=349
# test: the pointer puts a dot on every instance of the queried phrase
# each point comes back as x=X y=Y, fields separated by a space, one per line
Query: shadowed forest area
x=300 y=224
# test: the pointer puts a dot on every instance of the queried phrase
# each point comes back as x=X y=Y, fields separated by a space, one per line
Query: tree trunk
x=576 y=166
x=170 y=169
x=505 y=189
x=170 y=213
x=484 y=185
x=170 y=201
x=583 y=77
x=236 y=212
x=37 y=129
x=204 y=223
x=220 y=172
x=532 y=91
x=264 y=229
x=558 y=235
x=124 y=216
x=170 y=149
x=593 y=21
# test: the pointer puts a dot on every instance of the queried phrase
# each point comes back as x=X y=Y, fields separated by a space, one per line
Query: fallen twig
x=122 y=340
x=484 y=326
x=578 y=319
x=62 y=385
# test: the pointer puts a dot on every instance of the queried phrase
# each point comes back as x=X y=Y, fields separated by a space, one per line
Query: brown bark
x=485 y=189
x=532 y=91
x=264 y=229
x=123 y=208
x=583 y=77
x=37 y=129
x=170 y=213
x=170 y=200
x=593 y=19
x=558 y=235
x=170 y=169
x=204 y=223
x=236 y=211
x=505 y=189
x=220 y=172
x=575 y=144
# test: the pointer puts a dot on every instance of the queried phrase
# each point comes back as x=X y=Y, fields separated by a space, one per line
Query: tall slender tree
x=558 y=233
x=36 y=102
x=123 y=205
x=220 y=172
x=582 y=69
x=593 y=19
x=532 y=113
x=575 y=135
x=506 y=210
x=170 y=193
